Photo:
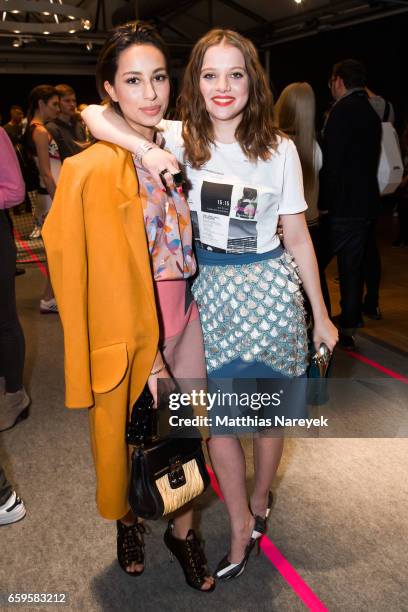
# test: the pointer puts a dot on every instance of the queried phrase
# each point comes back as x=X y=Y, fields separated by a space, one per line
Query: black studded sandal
x=130 y=546
x=190 y=554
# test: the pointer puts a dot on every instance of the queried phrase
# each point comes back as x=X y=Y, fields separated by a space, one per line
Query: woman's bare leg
x=267 y=456
x=48 y=291
x=228 y=460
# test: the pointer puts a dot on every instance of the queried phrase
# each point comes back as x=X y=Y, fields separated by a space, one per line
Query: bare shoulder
x=40 y=133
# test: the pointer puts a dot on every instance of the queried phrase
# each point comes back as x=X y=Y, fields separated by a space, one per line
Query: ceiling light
x=17 y=31
x=61 y=17
x=46 y=32
x=89 y=46
x=17 y=43
x=298 y=1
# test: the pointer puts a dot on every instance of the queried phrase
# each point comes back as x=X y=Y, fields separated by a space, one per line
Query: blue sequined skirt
x=252 y=311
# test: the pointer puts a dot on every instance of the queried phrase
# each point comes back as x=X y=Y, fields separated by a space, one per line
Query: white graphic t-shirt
x=235 y=203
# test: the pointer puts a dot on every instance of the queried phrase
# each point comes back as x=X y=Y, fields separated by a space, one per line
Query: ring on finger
x=178 y=179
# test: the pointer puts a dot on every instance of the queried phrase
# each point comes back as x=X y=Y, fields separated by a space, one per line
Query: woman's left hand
x=325 y=332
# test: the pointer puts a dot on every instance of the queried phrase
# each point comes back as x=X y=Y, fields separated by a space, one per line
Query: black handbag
x=167 y=472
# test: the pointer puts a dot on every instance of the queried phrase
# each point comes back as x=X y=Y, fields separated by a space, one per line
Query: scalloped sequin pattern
x=255 y=312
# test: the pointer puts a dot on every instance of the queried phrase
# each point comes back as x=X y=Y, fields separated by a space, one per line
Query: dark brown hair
x=123 y=37
x=352 y=72
x=256 y=132
x=41 y=92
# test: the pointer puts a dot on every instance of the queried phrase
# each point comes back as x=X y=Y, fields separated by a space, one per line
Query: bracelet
x=158 y=370
x=142 y=150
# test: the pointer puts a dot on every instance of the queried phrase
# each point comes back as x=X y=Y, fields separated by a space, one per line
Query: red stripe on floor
x=378 y=366
x=29 y=252
x=302 y=590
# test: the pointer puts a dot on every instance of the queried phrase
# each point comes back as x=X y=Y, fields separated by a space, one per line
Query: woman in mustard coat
x=119 y=251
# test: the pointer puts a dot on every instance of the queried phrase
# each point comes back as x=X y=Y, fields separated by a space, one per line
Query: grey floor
x=340 y=517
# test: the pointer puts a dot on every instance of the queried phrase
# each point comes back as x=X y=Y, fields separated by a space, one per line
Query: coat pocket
x=108 y=367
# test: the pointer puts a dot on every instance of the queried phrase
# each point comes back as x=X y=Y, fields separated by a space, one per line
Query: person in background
x=44 y=106
x=372 y=259
x=402 y=195
x=382 y=107
x=12 y=508
x=14 y=400
x=14 y=130
x=295 y=112
x=349 y=191
x=80 y=108
x=14 y=127
x=66 y=129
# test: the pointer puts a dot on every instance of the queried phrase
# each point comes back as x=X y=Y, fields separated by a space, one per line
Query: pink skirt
x=181 y=338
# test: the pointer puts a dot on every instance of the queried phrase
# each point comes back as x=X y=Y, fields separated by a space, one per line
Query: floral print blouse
x=168 y=230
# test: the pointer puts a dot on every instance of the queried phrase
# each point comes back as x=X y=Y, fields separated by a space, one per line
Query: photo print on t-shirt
x=247 y=205
x=226 y=222
x=216 y=198
x=242 y=236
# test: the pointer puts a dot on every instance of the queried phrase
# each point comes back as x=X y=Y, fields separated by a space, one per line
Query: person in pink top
x=12 y=188
x=14 y=400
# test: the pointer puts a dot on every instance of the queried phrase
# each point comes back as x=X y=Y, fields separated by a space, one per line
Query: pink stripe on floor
x=271 y=552
x=29 y=252
x=378 y=366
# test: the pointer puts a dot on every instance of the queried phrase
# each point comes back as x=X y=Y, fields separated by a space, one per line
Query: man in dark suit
x=349 y=196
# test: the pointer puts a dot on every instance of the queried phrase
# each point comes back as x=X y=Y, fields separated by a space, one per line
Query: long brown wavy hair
x=295 y=115
x=256 y=132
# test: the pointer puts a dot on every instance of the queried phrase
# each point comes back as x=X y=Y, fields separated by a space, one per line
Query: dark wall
x=380 y=44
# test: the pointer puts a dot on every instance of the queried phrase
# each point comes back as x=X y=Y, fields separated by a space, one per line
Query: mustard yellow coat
x=100 y=271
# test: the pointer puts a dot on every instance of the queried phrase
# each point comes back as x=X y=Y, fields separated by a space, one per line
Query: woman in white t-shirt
x=242 y=174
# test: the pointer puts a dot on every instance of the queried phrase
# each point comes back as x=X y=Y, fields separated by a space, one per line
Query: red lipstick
x=223 y=100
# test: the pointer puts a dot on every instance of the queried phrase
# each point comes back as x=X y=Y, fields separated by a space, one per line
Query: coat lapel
x=131 y=211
